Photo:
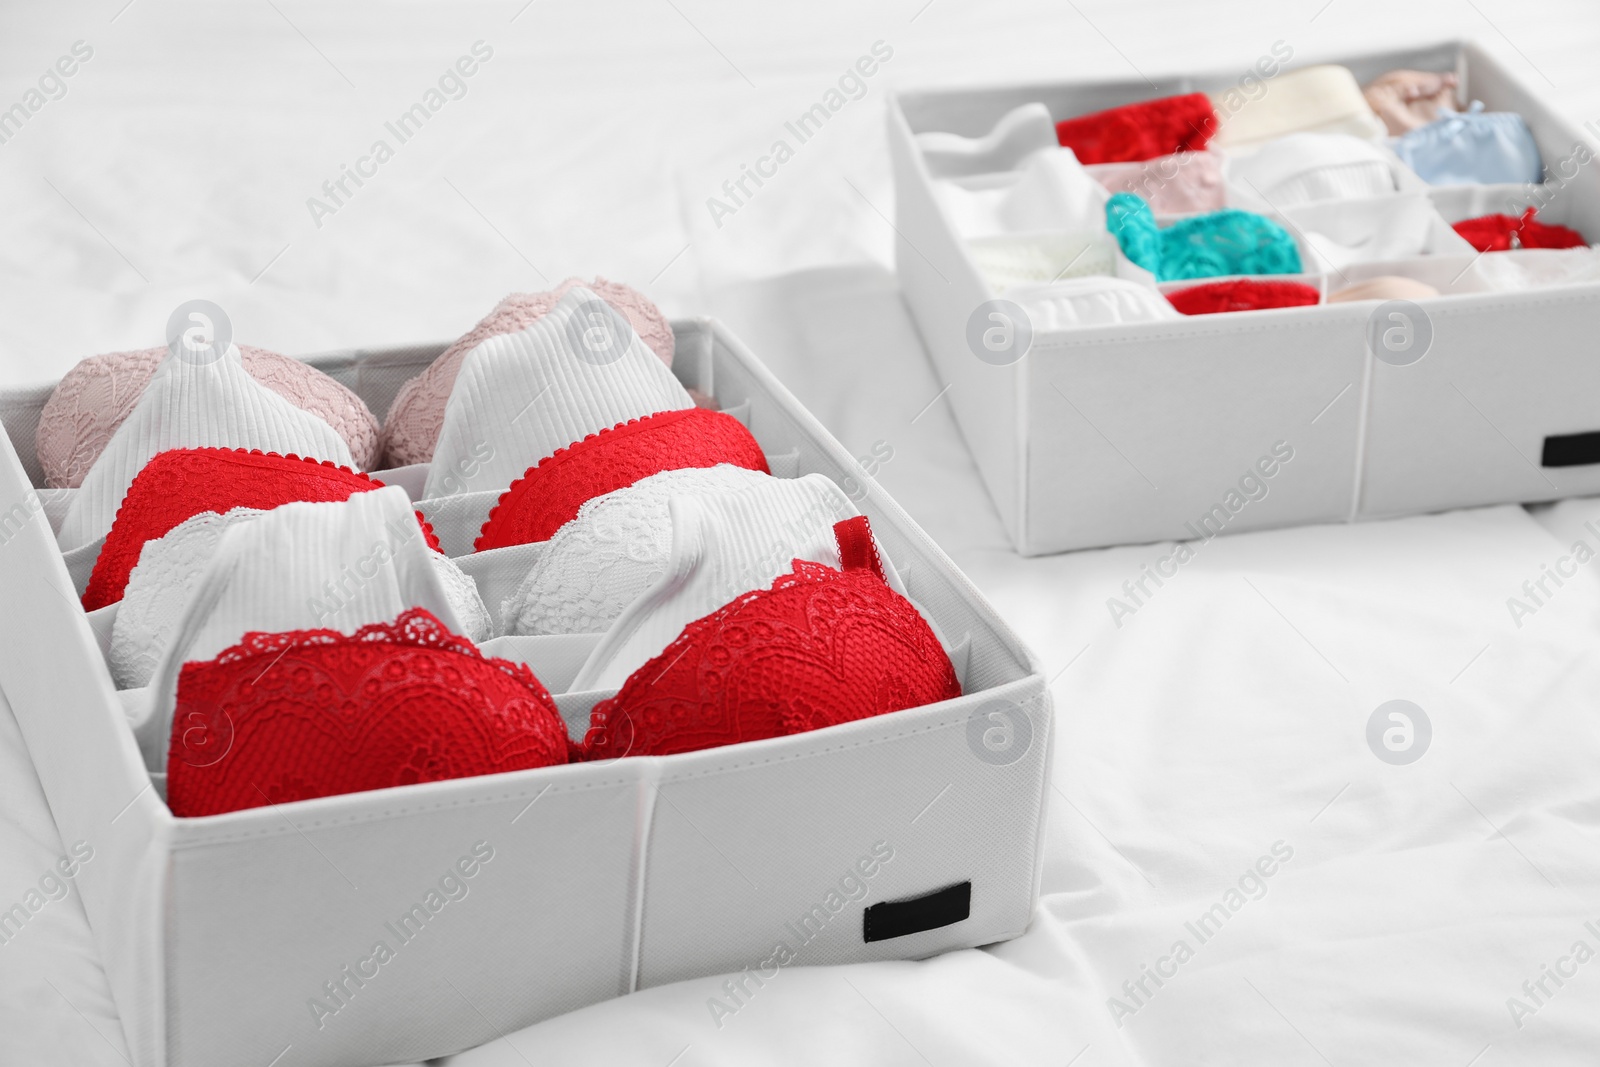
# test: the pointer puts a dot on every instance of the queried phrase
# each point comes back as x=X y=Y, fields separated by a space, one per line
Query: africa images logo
x=198 y=332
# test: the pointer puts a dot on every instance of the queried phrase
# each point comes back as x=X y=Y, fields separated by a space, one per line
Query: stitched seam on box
x=639 y=882
x=1587 y=295
x=1511 y=303
x=869 y=743
x=390 y=813
x=1186 y=335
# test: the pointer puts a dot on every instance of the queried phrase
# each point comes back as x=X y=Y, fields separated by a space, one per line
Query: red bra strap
x=856 y=548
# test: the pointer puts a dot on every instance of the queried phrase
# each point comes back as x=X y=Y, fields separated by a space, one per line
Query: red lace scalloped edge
x=414 y=627
x=244 y=452
x=428 y=533
x=551 y=458
x=803 y=572
x=564 y=452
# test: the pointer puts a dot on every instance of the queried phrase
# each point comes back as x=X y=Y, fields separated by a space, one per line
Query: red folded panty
x=1242 y=294
x=1502 y=233
x=1136 y=132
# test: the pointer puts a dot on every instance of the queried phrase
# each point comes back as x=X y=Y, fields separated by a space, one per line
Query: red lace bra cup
x=1134 y=133
x=181 y=483
x=819 y=648
x=1502 y=233
x=1242 y=294
x=548 y=494
x=316 y=713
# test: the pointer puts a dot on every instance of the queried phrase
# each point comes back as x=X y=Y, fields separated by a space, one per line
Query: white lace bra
x=618 y=545
x=723 y=545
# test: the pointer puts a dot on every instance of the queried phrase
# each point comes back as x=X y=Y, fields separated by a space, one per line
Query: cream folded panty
x=723 y=545
x=191 y=404
x=520 y=397
x=300 y=566
x=1322 y=99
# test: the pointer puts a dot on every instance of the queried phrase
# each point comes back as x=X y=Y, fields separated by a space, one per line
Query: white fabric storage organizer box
x=1132 y=433
x=217 y=933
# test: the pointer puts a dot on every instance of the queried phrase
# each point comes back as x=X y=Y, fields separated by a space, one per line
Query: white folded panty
x=1050 y=191
x=1305 y=167
x=602 y=561
x=1008 y=261
x=302 y=566
x=520 y=397
x=723 y=545
x=1534 y=268
x=1093 y=301
x=1342 y=232
x=191 y=404
x=1019 y=133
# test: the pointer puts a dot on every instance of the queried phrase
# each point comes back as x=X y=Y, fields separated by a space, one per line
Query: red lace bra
x=549 y=493
x=1242 y=294
x=183 y=482
x=1134 y=133
x=316 y=713
x=819 y=648
x=1502 y=233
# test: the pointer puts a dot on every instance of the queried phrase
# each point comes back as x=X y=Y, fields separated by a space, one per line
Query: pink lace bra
x=97 y=394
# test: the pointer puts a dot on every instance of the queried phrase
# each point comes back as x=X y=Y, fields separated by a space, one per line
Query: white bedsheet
x=1225 y=716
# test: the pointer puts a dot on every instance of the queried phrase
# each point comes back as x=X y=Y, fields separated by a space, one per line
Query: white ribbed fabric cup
x=189 y=404
x=520 y=397
x=169 y=568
